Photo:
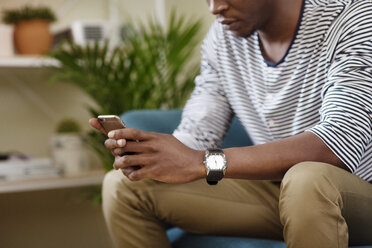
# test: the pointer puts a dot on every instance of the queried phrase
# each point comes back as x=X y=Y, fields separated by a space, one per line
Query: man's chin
x=243 y=33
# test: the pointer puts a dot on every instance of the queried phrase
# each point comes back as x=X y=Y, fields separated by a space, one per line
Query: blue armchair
x=165 y=121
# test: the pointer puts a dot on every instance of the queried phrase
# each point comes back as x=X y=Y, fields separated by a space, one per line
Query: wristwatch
x=215 y=163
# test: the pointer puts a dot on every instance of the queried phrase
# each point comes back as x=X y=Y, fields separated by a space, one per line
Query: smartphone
x=111 y=122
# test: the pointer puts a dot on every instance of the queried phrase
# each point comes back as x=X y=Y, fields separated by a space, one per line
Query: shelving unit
x=27 y=62
x=93 y=178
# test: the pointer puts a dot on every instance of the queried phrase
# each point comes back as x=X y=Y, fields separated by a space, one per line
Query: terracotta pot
x=32 y=37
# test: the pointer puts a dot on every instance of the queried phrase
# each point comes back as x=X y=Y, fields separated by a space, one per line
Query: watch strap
x=215 y=150
x=214 y=176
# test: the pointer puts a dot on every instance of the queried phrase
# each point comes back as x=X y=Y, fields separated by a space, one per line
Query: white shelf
x=93 y=178
x=27 y=61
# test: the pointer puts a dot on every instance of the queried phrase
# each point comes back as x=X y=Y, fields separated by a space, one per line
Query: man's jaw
x=229 y=23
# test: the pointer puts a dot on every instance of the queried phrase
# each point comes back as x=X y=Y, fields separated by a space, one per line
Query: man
x=298 y=76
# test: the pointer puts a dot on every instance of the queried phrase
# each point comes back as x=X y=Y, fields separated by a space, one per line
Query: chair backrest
x=165 y=121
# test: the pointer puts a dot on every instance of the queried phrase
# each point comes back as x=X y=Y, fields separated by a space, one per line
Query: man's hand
x=160 y=156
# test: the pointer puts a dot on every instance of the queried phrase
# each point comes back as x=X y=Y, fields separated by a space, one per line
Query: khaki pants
x=316 y=205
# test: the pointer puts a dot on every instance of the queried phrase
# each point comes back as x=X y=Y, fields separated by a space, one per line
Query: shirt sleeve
x=207 y=114
x=346 y=112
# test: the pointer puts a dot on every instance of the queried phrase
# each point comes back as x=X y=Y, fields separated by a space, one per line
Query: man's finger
x=95 y=123
x=126 y=171
x=139 y=147
x=118 y=151
x=136 y=173
x=111 y=144
x=130 y=160
x=129 y=134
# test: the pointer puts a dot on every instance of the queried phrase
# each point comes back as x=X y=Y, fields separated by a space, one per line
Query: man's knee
x=308 y=179
x=306 y=187
x=112 y=184
x=112 y=187
x=117 y=187
x=120 y=192
x=305 y=175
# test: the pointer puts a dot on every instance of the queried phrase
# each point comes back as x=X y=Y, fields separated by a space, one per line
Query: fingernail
x=111 y=134
x=120 y=142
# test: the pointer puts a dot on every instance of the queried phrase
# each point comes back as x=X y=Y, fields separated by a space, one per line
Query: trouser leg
x=135 y=211
x=129 y=215
x=320 y=205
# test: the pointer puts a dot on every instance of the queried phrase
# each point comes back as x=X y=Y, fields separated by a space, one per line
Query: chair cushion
x=181 y=239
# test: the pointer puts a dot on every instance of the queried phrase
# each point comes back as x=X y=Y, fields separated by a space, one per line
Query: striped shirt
x=322 y=85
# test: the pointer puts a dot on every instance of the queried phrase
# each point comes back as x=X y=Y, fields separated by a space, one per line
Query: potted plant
x=69 y=149
x=31 y=31
x=150 y=70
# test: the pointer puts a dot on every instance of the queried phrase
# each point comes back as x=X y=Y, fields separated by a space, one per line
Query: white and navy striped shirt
x=322 y=85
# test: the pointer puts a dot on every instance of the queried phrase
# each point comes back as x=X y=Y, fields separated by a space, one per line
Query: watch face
x=215 y=162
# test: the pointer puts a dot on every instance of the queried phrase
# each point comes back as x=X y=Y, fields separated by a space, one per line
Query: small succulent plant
x=68 y=126
x=14 y=16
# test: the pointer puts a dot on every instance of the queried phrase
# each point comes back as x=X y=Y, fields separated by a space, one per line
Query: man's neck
x=278 y=31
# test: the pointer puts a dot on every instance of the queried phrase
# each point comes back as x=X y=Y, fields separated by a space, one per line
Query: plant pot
x=69 y=154
x=32 y=37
